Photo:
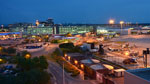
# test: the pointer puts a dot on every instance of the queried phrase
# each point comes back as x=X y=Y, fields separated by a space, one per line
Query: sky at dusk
x=74 y=11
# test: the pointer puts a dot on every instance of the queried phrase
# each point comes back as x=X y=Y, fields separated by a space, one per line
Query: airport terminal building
x=33 y=30
x=53 y=30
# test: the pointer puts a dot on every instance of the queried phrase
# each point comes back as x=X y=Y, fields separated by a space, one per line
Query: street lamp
x=65 y=55
x=69 y=58
x=47 y=36
x=40 y=40
x=76 y=62
x=2 y=26
x=121 y=23
x=1 y=50
x=27 y=56
x=126 y=53
x=82 y=66
x=111 y=21
x=37 y=23
x=145 y=52
x=63 y=74
x=1 y=60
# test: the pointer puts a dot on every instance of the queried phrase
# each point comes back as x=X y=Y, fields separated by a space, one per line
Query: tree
x=24 y=53
x=32 y=40
x=66 y=45
x=7 y=79
x=43 y=64
x=46 y=38
x=40 y=62
x=11 y=50
x=54 y=41
x=68 y=34
x=25 y=64
x=33 y=76
x=27 y=40
x=32 y=72
x=28 y=64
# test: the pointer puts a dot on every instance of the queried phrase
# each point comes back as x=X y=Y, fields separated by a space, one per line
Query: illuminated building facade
x=53 y=30
x=59 y=29
x=9 y=35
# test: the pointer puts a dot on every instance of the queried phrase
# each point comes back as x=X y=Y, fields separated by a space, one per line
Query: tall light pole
x=2 y=26
x=63 y=74
x=37 y=23
x=27 y=56
x=1 y=51
x=145 y=53
x=111 y=21
x=121 y=23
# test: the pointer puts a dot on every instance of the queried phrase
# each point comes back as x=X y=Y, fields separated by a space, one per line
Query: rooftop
x=142 y=73
x=90 y=61
x=75 y=54
x=7 y=33
x=97 y=66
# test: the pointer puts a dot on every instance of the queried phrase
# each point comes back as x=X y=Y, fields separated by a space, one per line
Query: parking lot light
x=1 y=48
x=69 y=58
x=27 y=56
x=76 y=62
x=1 y=60
x=127 y=53
x=111 y=21
x=82 y=66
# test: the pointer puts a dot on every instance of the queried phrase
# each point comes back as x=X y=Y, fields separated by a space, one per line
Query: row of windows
x=75 y=29
x=61 y=30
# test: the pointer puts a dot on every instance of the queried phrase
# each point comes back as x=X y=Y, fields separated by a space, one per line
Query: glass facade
x=36 y=31
x=17 y=29
x=49 y=30
x=32 y=30
x=75 y=29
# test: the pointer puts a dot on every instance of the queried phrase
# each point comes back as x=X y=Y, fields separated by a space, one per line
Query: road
x=48 y=49
x=57 y=71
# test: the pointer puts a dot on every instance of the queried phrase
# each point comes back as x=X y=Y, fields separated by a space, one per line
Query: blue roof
x=142 y=73
x=7 y=33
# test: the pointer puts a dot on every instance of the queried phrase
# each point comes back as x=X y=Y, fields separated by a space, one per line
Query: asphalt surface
x=48 y=49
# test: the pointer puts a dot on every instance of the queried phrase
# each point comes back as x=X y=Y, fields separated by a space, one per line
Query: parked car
x=112 y=49
x=129 y=61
